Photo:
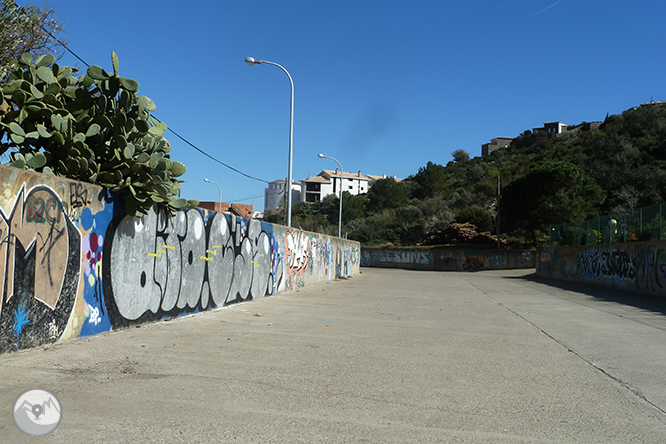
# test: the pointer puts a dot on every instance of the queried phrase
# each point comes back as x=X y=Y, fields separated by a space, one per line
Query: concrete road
x=391 y=356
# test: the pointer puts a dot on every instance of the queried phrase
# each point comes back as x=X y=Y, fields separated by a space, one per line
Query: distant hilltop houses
x=556 y=128
x=314 y=189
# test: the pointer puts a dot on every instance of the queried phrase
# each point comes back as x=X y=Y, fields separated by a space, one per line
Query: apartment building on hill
x=314 y=189
x=274 y=195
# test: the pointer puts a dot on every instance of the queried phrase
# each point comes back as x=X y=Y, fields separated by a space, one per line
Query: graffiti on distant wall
x=446 y=259
x=297 y=250
x=651 y=270
x=474 y=262
x=39 y=268
x=349 y=260
x=526 y=259
x=545 y=260
x=497 y=260
x=405 y=257
x=617 y=265
x=634 y=266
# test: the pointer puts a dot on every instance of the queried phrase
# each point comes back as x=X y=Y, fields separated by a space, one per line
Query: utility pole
x=497 y=217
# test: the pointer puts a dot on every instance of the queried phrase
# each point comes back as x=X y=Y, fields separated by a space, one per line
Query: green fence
x=646 y=223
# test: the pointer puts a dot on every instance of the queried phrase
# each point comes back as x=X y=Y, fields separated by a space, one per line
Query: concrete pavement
x=391 y=356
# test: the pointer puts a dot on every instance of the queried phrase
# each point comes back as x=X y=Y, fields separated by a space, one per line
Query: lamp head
x=321 y=156
x=206 y=180
x=251 y=61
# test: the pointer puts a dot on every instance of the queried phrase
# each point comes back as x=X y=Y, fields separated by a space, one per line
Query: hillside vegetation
x=545 y=179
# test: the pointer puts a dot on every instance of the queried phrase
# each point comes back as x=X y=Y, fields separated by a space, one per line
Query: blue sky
x=383 y=86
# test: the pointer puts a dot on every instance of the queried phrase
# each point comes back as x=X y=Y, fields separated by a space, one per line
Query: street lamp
x=251 y=61
x=321 y=156
x=220 y=199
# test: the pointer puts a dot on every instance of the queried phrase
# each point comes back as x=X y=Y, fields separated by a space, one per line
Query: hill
x=590 y=170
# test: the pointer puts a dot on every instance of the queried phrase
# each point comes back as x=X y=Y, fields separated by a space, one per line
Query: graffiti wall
x=447 y=259
x=636 y=266
x=73 y=264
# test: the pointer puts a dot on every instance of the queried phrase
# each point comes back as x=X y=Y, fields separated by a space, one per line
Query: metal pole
x=321 y=156
x=220 y=196
x=498 y=211
x=251 y=61
x=340 y=212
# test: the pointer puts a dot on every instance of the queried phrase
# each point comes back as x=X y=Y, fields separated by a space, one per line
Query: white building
x=274 y=196
x=314 y=189
x=552 y=128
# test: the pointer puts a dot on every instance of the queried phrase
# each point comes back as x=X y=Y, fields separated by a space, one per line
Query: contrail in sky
x=543 y=10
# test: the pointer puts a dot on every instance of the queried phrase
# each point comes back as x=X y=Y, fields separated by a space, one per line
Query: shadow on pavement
x=655 y=304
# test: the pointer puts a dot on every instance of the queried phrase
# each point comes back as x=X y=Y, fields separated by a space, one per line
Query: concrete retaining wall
x=72 y=263
x=447 y=259
x=636 y=266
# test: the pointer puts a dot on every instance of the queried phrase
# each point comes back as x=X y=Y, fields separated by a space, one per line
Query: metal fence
x=647 y=223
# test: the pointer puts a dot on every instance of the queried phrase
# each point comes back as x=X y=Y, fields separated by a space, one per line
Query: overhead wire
x=168 y=128
x=256 y=196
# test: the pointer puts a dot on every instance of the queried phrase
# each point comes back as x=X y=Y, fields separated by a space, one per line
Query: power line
x=168 y=128
x=211 y=157
x=242 y=199
x=65 y=46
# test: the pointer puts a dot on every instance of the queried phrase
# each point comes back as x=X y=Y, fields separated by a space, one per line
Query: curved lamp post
x=252 y=61
x=321 y=156
x=220 y=199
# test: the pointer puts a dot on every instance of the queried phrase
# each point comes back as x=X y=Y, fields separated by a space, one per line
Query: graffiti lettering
x=651 y=274
x=40 y=212
x=617 y=265
x=184 y=264
x=409 y=257
x=75 y=265
x=297 y=256
x=298 y=249
x=588 y=264
x=78 y=195
x=39 y=268
x=613 y=264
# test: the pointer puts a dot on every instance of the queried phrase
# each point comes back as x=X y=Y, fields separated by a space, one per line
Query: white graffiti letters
x=182 y=263
x=298 y=250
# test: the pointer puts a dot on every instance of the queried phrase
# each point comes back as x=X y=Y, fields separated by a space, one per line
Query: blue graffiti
x=94 y=227
x=21 y=318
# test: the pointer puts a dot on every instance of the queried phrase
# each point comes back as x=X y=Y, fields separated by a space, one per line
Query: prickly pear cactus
x=94 y=128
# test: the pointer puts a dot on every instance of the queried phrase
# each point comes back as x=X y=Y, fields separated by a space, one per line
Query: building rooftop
x=317 y=179
x=325 y=176
x=336 y=173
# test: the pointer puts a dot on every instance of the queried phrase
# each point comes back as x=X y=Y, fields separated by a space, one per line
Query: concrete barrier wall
x=636 y=266
x=73 y=264
x=447 y=259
